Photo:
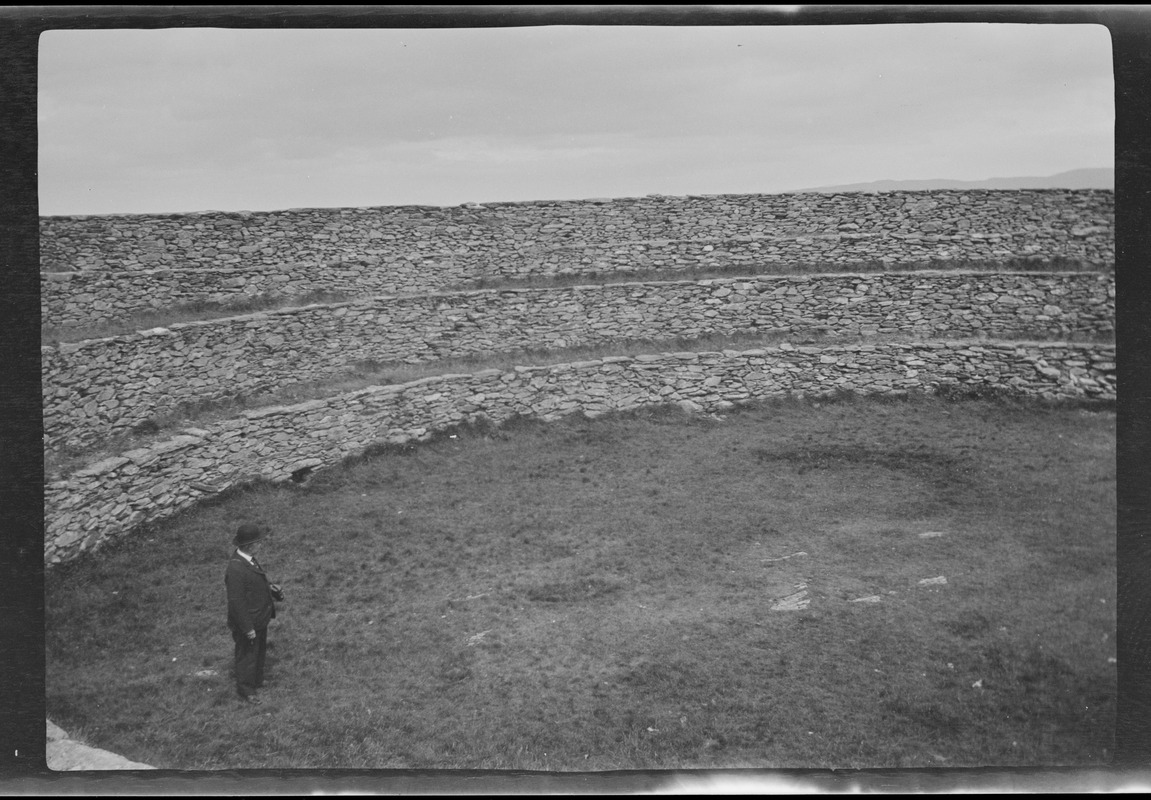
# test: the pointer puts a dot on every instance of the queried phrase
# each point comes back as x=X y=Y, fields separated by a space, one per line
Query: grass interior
x=599 y=595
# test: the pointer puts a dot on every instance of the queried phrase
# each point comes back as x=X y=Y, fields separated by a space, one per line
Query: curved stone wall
x=111 y=497
x=338 y=234
x=103 y=386
x=106 y=268
x=100 y=269
x=72 y=299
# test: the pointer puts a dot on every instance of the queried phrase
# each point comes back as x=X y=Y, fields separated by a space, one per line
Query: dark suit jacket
x=250 y=605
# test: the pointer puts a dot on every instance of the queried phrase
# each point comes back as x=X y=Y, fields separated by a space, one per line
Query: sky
x=179 y=120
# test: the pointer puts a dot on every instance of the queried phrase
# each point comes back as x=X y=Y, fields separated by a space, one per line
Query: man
x=251 y=607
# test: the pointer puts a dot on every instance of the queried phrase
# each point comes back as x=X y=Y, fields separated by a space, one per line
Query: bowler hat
x=248 y=533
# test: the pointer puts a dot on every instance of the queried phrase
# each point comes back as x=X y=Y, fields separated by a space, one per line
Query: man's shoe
x=250 y=699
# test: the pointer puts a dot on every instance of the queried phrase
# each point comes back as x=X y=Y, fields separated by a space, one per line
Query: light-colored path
x=64 y=754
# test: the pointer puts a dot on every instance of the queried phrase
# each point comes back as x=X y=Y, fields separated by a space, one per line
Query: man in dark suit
x=251 y=607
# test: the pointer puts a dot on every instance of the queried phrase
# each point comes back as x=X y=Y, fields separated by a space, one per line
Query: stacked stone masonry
x=101 y=269
x=112 y=497
x=105 y=386
x=399 y=261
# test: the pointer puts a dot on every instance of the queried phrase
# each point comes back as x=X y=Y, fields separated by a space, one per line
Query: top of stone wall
x=598 y=201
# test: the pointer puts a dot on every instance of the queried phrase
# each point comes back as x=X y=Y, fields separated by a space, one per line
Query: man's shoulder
x=237 y=564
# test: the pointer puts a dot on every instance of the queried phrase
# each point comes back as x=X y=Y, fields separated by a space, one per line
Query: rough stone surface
x=98 y=387
x=104 y=386
x=89 y=507
x=100 y=269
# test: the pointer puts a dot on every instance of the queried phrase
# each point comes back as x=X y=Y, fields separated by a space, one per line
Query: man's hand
x=251 y=636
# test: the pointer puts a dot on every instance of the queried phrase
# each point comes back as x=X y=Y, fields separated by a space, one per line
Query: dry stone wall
x=110 y=498
x=399 y=260
x=103 y=386
x=100 y=269
x=74 y=299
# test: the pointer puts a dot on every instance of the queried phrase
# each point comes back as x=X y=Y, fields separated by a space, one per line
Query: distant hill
x=1093 y=178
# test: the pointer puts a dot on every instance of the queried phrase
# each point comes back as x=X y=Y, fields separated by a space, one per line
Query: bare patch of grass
x=598 y=594
x=570 y=591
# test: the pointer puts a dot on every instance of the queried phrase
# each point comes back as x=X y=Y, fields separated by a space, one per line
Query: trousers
x=250 y=660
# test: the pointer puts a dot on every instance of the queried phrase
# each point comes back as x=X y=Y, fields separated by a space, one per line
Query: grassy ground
x=600 y=595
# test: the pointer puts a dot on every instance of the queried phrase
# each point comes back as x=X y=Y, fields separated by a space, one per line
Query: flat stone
x=63 y=754
x=793 y=602
x=784 y=558
x=101 y=467
x=267 y=411
x=199 y=433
